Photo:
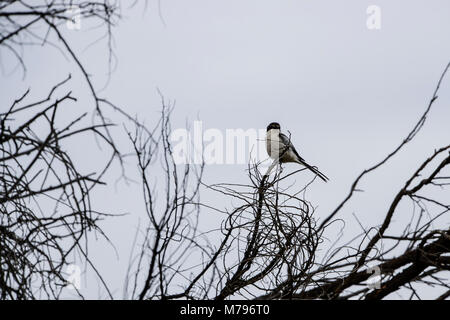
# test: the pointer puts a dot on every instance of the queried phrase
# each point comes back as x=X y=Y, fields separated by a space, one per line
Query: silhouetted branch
x=269 y=246
x=45 y=205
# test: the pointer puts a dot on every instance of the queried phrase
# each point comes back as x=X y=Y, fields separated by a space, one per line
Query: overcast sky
x=347 y=94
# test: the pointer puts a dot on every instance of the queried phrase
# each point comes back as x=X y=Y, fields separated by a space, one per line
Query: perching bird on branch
x=280 y=148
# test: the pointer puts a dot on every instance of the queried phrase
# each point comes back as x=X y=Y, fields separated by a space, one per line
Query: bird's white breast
x=273 y=143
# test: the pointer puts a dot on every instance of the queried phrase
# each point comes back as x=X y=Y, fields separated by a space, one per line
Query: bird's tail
x=315 y=170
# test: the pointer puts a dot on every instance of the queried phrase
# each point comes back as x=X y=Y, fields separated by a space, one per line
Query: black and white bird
x=280 y=148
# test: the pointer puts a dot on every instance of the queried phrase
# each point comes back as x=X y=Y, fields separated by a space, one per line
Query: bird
x=280 y=148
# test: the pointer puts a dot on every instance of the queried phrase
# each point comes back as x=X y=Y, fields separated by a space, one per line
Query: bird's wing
x=285 y=140
x=287 y=143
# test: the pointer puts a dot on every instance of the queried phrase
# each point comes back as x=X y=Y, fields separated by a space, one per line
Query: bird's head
x=273 y=125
